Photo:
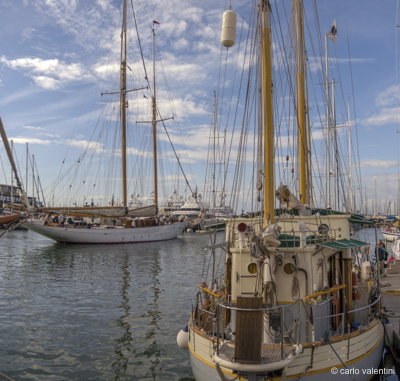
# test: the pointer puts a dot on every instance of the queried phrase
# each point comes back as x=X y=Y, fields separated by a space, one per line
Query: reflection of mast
x=123 y=344
x=154 y=313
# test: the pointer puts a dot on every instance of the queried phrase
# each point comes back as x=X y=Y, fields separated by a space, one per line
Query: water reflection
x=123 y=345
x=83 y=312
x=137 y=352
x=153 y=351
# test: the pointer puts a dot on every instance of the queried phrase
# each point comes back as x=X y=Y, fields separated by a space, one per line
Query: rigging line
x=230 y=144
x=358 y=168
x=177 y=122
x=140 y=45
x=3 y=169
x=249 y=75
x=396 y=37
x=169 y=92
x=158 y=111
x=340 y=81
x=285 y=87
x=175 y=153
x=232 y=94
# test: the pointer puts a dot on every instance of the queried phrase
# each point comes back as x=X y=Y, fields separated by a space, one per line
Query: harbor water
x=95 y=312
x=98 y=312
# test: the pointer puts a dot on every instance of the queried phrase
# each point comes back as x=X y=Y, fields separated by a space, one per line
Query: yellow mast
x=267 y=119
x=123 y=105
x=154 y=123
x=301 y=104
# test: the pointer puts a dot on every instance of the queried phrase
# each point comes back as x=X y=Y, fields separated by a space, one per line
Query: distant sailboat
x=113 y=224
x=8 y=218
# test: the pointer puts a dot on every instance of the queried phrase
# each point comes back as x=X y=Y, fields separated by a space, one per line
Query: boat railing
x=351 y=315
x=267 y=312
x=203 y=312
x=219 y=319
x=281 y=326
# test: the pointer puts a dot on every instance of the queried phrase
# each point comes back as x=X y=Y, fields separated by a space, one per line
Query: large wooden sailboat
x=113 y=224
x=290 y=303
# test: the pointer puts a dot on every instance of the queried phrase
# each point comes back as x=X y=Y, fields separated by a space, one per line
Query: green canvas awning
x=344 y=244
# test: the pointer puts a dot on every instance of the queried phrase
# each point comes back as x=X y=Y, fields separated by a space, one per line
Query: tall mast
x=301 y=103
x=214 y=165
x=331 y=35
x=336 y=173
x=352 y=207
x=267 y=119
x=123 y=105
x=13 y=167
x=154 y=122
x=27 y=165
x=328 y=131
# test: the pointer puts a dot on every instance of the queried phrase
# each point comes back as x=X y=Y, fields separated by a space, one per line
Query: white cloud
x=47 y=73
x=378 y=163
x=17 y=96
x=25 y=139
x=89 y=145
x=46 y=82
x=384 y=116
x=84 y=144
x=33 y=128
x=389 y=96
x=180 y=44
x=318 y=63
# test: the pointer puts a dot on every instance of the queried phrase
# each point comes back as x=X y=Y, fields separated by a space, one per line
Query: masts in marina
x=288 y=282
x=127 y=224
x=154 y=119
x=13 y=166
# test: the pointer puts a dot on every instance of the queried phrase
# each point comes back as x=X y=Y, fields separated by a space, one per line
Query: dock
x=391 y=295
x=390 y=284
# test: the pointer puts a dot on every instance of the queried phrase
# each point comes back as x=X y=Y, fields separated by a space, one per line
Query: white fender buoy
x=228 y=33
x=182 y=338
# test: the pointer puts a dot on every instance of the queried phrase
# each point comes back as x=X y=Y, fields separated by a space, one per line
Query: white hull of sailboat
x=112 y=235
x=390 y=236
x=360 y=356
x=396 y=248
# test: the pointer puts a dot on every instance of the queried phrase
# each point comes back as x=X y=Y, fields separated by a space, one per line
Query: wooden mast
x=267 y=118
x=123 y=105
x=154 y=122
x=7 y=147
x=301 y=103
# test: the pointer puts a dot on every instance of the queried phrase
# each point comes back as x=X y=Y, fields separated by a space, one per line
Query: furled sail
x=106 y=211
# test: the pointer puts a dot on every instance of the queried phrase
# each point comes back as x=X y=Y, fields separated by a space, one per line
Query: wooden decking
x=392 y=302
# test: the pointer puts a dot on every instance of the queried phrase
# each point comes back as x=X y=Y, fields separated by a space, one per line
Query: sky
x=58 y=56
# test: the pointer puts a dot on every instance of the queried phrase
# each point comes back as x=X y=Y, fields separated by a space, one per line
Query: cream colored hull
x=363 y=355
x=107 y=235
x=390 y=236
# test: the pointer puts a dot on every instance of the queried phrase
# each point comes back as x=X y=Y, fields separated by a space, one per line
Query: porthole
x=252 y=268
x=289 y=268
